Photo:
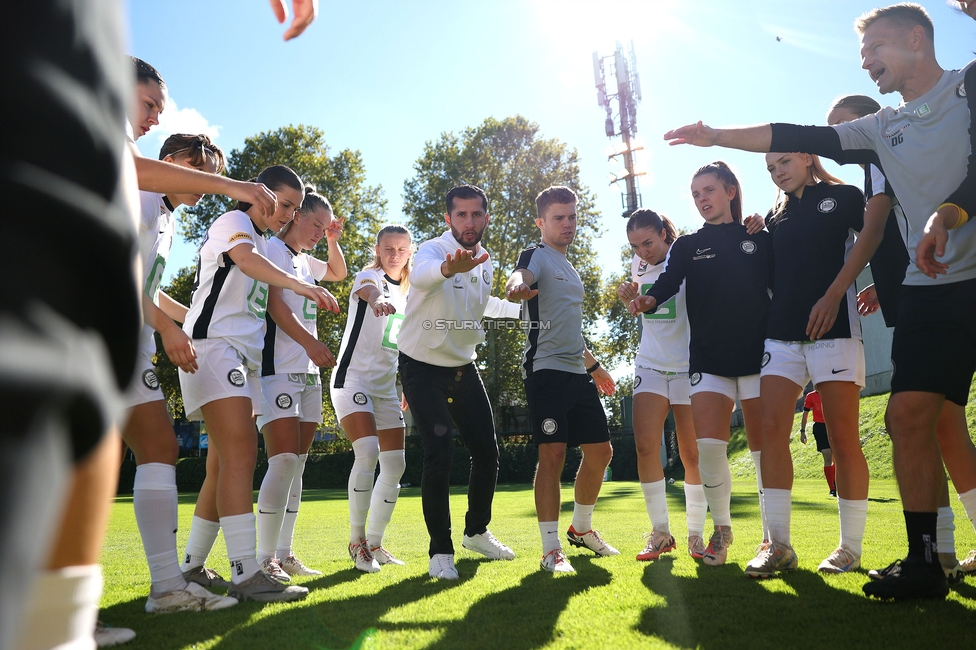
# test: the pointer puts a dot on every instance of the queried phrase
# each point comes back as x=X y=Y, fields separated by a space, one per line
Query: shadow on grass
x=707 y=612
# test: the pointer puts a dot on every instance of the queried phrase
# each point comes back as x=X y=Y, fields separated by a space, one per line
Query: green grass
x=610 y=603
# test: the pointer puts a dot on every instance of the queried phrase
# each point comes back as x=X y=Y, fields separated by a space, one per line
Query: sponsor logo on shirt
x=896 y=134
x=239 y=235
x=748 y=246
x=827 y=205
x=549 y=426
x=704 y=257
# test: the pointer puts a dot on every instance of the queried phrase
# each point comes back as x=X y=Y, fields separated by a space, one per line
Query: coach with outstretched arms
x=925 y=147
x=450 y=293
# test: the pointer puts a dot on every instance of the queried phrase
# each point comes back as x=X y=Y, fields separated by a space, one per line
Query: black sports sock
x=921 y=528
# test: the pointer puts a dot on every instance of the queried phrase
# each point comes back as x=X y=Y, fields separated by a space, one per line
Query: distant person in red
x=812 y=403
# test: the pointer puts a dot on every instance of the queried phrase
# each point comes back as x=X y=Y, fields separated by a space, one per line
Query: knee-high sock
x=287 y=534
x=713 y=465
x=969 y=504
x=361 y=484
x=695 y=509
x=62 y=609
x=830 y=473
x=240 y=536
x=945 y=527
x=272 y=500
x=756 y=460
x=203 y=534
x=385 y=493
x=853 y=517
x=779 y=505
x=656 y=502
x=154 y=502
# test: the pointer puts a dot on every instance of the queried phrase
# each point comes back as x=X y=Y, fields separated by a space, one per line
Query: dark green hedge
x=517 y=460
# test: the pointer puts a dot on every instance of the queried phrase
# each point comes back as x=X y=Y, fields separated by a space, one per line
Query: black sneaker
x=833 y=493
x=909 y=579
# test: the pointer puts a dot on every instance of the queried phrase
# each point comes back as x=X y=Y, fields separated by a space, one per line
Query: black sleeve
x=854 y=203
x=770 y=222
x=675 y=270
x=965 y=194
x=819 y=140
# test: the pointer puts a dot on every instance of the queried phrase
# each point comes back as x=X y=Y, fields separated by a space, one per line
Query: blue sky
x=385 y=76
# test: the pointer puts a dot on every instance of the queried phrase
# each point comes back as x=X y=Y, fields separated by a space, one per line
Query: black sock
x=921 y=528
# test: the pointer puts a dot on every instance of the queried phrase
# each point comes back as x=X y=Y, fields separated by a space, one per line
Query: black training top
x=812 y=236
x=891 y=259
x=728 y=273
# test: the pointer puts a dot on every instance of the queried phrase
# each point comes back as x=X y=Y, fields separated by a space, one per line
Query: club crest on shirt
x=549 y=426
x=695 y=378
x=641 y=268
x=150 y=379
x=748 y=246
x=961 y=90
x=827 y=205
x=359 y=398
x=283 y=401
x=236 y=377
x=766 y=357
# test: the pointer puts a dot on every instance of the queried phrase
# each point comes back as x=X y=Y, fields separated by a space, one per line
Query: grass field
x=610 y=603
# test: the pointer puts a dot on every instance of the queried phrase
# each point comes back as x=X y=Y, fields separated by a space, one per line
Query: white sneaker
x=841 y=560
x=590 y=539
x=383 y=556
x=487 y=545
x=294 y=567
x=106 y=635
x=555 y=561
x=364 y=560
x=192 y=598
x=968 y=565
x=442 y=566
x=262 y=589
x=271 y=568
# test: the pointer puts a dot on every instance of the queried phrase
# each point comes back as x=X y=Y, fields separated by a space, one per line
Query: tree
x=340 y=178
x=512 y=162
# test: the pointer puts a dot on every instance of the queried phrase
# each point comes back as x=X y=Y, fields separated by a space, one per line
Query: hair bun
x=309 y=189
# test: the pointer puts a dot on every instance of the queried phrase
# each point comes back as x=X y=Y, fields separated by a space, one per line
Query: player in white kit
x=291 y=385
x=226 y=322
x=364 y=396
x=660 y=385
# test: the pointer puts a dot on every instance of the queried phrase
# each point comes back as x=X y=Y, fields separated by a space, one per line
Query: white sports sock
x=582 y=517
x=287 y=534
x=713 y=465
x=853 y=517
x=385 y=493
x=154 y=502
x=361 y=484
x=657 y=505
x=550 y=536
x=203 y=534
x=62 y=609
x=779 y=505
x=756 y=460
x=240 y=538
x=969 y=505
x=272 y=499
x=695 y=508
x=945 y=527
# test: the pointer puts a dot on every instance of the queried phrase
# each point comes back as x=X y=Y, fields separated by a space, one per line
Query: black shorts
x=565 y=407
x=934 y=344
x=820 y=435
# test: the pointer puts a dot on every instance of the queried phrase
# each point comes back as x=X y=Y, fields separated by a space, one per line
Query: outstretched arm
x=519 y=285
x=747 y=138
x=305 y=12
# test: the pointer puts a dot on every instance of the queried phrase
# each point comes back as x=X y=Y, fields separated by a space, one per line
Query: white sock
x=272 y=499
x=287 y=534
x=385 y=493
x=695 y=509
x=240 y=536
x=779 y=504
x=657 y=505
x=853 y=517
x=756 y=458
x=203 y=534
x=582 y=517
x=713 y=465
x=945 y=527
x=154 y=502
x=361 y=484
x=550 y=536
x=62 y=609
x=969 y=505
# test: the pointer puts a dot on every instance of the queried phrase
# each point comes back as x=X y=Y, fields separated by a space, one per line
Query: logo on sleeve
x=827 y=205
x=236 y=377
x=695 y=378
x=368 y=281
x=239 y=235
x=766 y=357
x=359 y=398
x=748 y=246
x=961 y=90
x=486 y=277
x=549 y=426
x=283 y=401
x=150 y=379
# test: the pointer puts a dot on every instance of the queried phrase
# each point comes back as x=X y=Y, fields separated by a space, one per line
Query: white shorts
x=293 y=395
x=735 y=388
x=145 y=385
x=671 y=385
x=222 y=373
x=354 y=399
x=819 y=361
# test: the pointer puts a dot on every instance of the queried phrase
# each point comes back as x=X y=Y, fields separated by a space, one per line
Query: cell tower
x=624 y=125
